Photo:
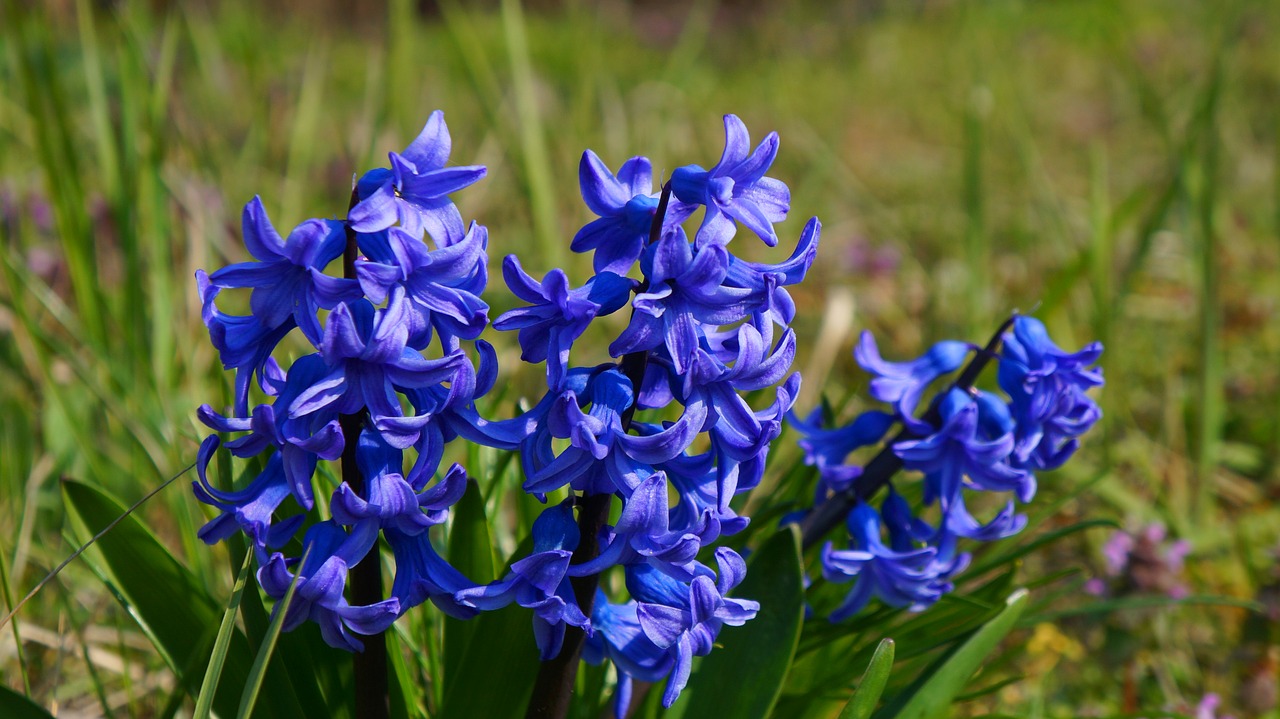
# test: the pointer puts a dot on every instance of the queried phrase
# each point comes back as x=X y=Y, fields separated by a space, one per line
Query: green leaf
x=743 y=678
x=213 y=673
x=872 y=685
x=498 y=668
x=499 y=665
x=171 y=606
x=402 y=689
x=931 y=695
x=249 y=697
x=470 y=552
x=15 y=706
x=317 y=676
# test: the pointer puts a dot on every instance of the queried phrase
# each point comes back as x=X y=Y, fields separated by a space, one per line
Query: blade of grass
x=111 y=525
x=539 y=180
x=933 y=693
x=258 y=672
x=48 y=344
x=1274 y=451
x=976 y=237
x=98 y=107
x=1012 y=555
x=1156 y=220
x=1101 y=263
x=1210 y=389
x=91 y=667
x=43 y=87
x=17 y=637
x=403 y=692
x=302 y=136
x=316 y=676
x=156 y=232
x=204 y=702
x=693 y=37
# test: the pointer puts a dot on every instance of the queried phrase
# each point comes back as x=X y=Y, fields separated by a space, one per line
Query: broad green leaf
x=471 y=552
x=743 y=678
x=871 y=687
x=498 y=668
x=499 y=664
x=15 y=706
x=932 y=694
x=173 y=609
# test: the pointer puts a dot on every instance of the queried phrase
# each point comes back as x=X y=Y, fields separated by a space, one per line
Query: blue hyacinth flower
x=735 y=188
x=558 y=315
x=625 y=204
x=442 y=286
x=602 y=458
x=617 y=637
x=685 y=620
x=540 y=581
x=913 y=577
x=367 y=355
x=288 y=278
x=1047 y=386
x=415 y=191
x=970 y=449
x=686 y=290
x=901 y=384
x=329 y=552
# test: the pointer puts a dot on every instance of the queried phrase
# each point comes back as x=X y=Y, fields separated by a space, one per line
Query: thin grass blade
x=204 y=702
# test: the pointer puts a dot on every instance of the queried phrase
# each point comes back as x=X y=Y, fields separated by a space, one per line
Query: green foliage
x=17 y=706
x=872 y=684
x=744 y=677
x=1112 y=163
x=498 y=665
x=470 y=552
x=173 y=609
x=213 y=674
x=931 y=694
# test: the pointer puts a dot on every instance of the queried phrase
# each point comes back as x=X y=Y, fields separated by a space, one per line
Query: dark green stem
x=886 y=463
x=556 y=676
x=371 y=675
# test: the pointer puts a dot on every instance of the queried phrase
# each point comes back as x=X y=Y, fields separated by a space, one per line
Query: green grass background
x=1110 y=166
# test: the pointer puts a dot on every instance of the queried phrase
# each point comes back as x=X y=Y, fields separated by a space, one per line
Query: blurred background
x=1109 y=166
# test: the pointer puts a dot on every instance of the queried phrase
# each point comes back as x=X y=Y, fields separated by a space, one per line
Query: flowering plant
x=639 y=452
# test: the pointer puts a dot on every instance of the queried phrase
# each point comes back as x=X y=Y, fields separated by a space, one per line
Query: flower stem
x=556 y=676
x=886 y=463
x=371 y=675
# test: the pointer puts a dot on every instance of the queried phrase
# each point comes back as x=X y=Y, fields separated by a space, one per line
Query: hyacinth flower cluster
x=705 y=328
x=398 y=365
x=968 y=442
x=386 y=335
